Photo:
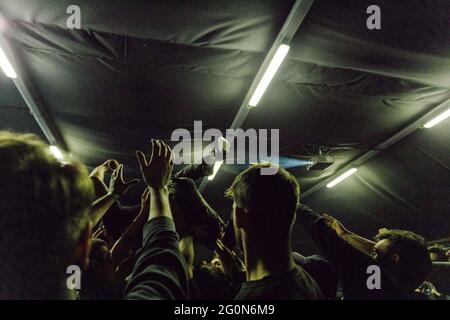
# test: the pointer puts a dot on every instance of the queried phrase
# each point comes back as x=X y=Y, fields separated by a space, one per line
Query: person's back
x=263 y=214
x=43 y=219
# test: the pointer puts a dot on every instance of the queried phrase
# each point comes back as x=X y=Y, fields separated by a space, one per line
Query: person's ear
x=396 y=258
x=83 y=248
x=241 y=216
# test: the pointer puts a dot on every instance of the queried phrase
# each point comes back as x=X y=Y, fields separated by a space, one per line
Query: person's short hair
x=43 y=205
x=415 y=263
x=439 y=250
x=271 y=200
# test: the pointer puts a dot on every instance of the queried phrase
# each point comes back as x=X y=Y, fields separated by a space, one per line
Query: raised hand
x=335 y=224
x=108 y=165
x=117 y=185
x=156 y=172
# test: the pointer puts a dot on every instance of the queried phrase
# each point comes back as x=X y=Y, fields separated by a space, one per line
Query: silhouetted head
x=403 y=255
x=44 y=202
x=264 y=206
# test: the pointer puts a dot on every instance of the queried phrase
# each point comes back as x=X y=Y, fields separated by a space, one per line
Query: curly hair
x=415 y=263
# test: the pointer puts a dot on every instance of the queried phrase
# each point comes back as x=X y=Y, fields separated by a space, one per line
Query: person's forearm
x=362 y=244
x=308 y=218
x=101 y=205
x=187 y=250
x=127 y=242
x=159 y=204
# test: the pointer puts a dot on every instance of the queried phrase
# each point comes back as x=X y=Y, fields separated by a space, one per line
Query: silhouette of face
x=382 y=252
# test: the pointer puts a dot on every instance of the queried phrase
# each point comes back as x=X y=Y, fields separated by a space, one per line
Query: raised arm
x=130 y=241
x=156 y=173
x=118 y=187
x=362 y=244
x=348 y=261
x=188 y=252
x=160 y=269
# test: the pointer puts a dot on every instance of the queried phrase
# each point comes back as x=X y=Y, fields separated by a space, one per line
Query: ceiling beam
x=287 y=32
x=32 y=100
x=381 y=147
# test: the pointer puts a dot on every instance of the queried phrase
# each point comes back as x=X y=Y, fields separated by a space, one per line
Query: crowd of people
x=55 y=214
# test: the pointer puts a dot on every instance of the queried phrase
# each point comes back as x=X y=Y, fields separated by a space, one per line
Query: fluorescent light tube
x=438 y=119
x=278 y=58
x=216 y=168
x=6 y=65
x=56 y=152
x=341 y=177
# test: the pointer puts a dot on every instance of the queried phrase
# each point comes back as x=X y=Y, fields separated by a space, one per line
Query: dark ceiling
x=140 y=69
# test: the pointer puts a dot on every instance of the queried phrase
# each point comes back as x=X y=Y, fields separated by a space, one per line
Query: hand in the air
x=335 y=224
x=117 y=185
x=157 y=170
x=108 y=165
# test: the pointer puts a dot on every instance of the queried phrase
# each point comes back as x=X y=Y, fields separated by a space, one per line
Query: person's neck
x=262 y=260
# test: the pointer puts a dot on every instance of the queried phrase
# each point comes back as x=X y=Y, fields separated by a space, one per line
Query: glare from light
x=438 y=119
x=216 y=168
x=342 y=177
x=56 y=152
x=6 y=65
x=278 y=58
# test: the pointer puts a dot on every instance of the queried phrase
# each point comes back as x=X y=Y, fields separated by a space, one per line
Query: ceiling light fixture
x=6 y=65
x=277 y=59
x=341 y=177
x=437 y=119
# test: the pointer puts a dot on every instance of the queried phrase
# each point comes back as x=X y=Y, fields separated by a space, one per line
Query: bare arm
x=160 y=269
x=362 y=244
x=187 y=250
x=156 y=173
x=131 y=238
x=100 y=206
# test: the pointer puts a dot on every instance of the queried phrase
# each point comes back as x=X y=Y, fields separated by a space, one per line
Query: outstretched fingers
x=141 y=159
